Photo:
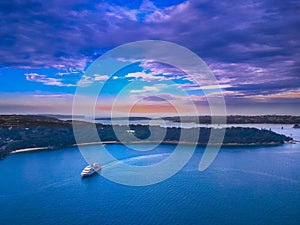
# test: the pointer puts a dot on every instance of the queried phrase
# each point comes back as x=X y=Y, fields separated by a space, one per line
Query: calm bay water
x=242 y=186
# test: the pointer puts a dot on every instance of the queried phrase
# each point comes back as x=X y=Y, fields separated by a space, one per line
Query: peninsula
x=33 y=132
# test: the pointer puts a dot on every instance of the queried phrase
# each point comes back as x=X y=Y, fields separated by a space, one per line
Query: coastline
x=29 y=150
x=19 y=135
x=24 y=150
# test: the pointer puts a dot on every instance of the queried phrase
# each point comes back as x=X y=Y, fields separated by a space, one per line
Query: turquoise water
x=242 y=186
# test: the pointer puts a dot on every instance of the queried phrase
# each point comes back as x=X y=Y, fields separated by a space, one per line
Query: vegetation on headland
x=29 y=131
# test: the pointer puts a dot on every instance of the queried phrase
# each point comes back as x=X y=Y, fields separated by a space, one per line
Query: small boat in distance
x=90 y=170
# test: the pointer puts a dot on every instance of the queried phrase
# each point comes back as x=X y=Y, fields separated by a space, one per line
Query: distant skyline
x=252 y=47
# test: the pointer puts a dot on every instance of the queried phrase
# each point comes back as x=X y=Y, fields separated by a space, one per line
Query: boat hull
x=88 y=175
x=91 y=172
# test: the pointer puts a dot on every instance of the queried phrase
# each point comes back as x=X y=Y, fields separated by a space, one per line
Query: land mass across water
x=19 y=133
x=230 y=119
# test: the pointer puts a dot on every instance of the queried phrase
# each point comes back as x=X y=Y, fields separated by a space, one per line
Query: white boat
x=90 y=170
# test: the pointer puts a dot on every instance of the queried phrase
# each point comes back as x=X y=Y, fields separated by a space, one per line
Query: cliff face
x=18 y=132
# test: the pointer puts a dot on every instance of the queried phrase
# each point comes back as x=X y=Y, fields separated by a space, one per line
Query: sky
x=252 y=48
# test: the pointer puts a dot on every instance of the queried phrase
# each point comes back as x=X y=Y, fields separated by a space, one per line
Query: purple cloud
x=252 y=47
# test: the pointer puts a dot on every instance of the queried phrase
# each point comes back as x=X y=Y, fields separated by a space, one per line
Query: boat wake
x=261 y=174
x=134 y=159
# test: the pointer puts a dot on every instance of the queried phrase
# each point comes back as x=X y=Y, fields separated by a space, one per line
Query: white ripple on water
x=288 y=152
x=261 y=174
x=133 y=159
x=55 y=184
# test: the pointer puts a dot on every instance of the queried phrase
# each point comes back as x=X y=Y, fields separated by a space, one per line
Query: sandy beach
x=29 y=149
x=75 y=145
x=148 y=142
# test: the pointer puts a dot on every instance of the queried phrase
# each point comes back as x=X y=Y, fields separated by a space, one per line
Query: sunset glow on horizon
x=252 y=50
